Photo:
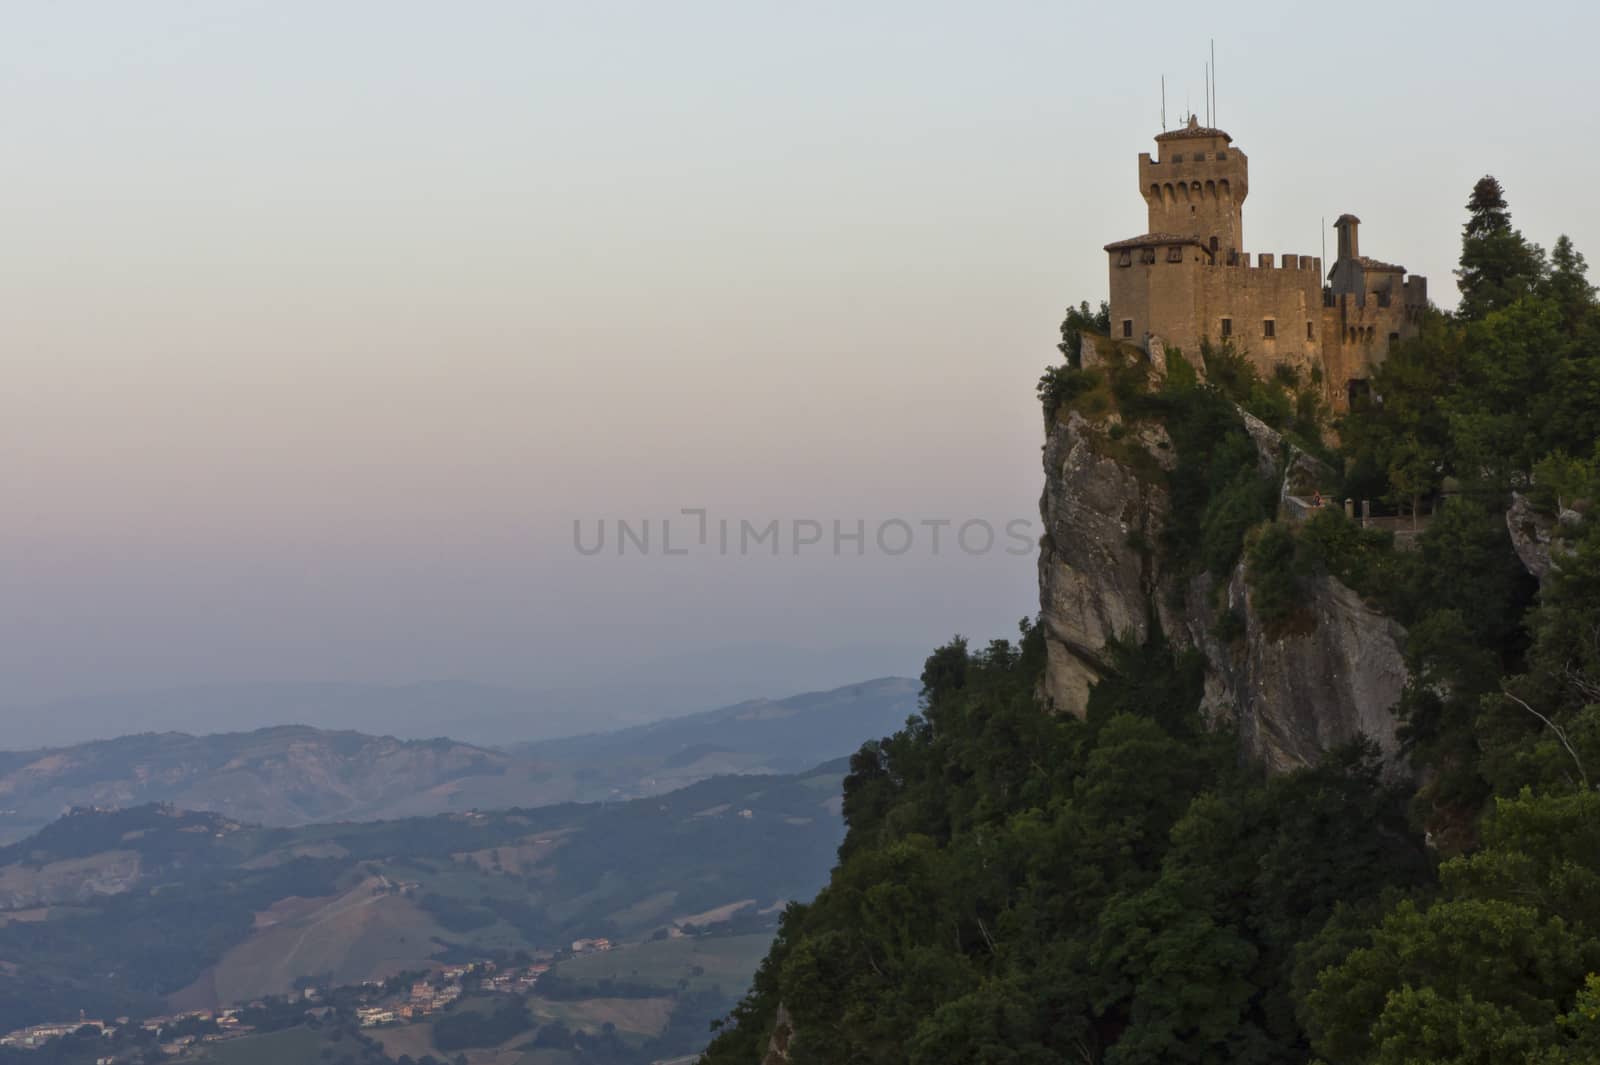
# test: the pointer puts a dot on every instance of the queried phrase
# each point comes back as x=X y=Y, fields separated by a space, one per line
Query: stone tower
x=1197 y=186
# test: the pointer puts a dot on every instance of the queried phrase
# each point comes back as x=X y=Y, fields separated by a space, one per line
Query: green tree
x=1498 y=969
x=1567 y=283
x=1079 y=320
x=1498 y=266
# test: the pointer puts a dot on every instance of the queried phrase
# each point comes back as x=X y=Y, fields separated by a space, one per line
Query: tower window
x=1127 y=327
x=1227 y=328
x=1178 y=158
x=1126 y=258
x=1148 y=255
x=1175 y=254
x=1199 y=157
x=1311 y=332
x=1269 y=328
x=1221 y=156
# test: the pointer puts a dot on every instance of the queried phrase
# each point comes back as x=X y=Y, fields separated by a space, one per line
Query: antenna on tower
x=1213 y=81
x=1205 y=82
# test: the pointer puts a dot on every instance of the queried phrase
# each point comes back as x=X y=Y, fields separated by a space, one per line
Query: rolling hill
x=144 y=910
x=295 y=775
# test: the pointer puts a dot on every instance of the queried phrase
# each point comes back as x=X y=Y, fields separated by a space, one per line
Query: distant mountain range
x=786 y=734
x=294 y=775
x=577 y=699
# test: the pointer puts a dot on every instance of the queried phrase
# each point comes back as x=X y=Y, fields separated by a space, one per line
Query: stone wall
x=1357 y=333
x=1185 y=302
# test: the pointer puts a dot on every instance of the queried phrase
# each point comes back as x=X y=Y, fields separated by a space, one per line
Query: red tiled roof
x=1193 y=129
x=1149 y=240
x=1379 y=266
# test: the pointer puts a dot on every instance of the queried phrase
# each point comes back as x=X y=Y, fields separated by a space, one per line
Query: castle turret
x=1197 y=187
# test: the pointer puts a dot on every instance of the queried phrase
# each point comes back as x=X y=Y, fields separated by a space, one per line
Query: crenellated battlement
x=1189 y=278
x=1268 y=261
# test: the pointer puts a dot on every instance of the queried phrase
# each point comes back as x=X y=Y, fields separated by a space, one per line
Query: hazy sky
x=321 y=323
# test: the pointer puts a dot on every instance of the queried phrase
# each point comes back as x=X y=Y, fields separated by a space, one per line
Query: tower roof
x=1193 y=129
x=1345 y=219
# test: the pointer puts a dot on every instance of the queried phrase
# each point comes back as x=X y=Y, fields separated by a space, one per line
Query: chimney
x=1349 y=244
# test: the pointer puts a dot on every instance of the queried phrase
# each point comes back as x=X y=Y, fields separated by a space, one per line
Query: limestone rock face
x=778 y=1046
x=1095 y=582
x=1530 y=535
x=1335 y=674
x=1293 y=694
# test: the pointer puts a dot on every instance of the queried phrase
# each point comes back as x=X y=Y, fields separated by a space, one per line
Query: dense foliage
x=1017 y=887
x=1023 y=887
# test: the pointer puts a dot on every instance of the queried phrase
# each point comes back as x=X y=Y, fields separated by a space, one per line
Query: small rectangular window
x=1178 y=158
x=1127 y=327
x=1269 y=328
x=1175 y=254
x=1227 y=328
x=1221 y=156
x=1148 y=255
x=1311 y=332
x=1126 y=258
x=1199 y=157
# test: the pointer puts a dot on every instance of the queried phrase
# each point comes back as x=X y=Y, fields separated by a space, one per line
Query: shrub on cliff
x=1273 y=572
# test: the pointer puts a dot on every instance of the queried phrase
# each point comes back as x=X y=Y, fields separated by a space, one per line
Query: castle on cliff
x=1189 y=278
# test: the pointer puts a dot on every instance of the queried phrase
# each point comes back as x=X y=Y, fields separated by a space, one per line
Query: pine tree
x=1498 y=266
x=1568 y=283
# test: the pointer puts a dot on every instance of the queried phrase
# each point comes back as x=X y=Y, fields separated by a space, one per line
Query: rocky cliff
x=1292 y=691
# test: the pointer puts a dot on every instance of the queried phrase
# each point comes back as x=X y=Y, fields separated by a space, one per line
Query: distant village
x=376 y=1003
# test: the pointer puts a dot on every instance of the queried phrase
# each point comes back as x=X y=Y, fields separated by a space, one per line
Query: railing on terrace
x=1405 y=523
